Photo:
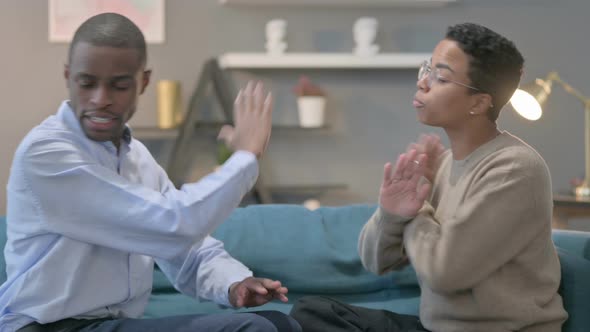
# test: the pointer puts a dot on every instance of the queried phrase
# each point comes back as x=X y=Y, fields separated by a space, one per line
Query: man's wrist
x=230 y=291
x=231 y=287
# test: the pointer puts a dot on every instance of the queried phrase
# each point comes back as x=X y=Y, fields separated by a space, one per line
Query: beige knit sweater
x=481 y=246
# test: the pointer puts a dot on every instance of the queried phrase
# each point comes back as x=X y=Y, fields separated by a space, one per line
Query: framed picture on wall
x=336 y=3
x=66 y=15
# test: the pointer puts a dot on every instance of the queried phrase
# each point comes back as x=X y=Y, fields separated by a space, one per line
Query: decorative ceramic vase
x=169 y=104
x=311 y=111
x=275 y=33
x=364 y=33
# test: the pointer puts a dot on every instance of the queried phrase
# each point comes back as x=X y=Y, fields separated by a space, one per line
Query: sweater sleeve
x=380 y=242
x=502 y=210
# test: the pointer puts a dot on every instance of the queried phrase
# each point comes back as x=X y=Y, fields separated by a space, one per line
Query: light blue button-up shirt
x=86 y=222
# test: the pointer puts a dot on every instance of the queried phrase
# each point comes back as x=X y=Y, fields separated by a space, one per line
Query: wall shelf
x=341 y=3
x=154 y=132
x=321 y=60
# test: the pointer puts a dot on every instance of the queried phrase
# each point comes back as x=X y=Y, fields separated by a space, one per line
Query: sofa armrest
x=576 y=242
x=573 y=249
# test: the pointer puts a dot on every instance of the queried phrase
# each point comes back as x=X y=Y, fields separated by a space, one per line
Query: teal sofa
x=314 y=252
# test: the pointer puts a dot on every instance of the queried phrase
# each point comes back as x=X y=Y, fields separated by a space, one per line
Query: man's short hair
x=495 y=65
x=113 y=30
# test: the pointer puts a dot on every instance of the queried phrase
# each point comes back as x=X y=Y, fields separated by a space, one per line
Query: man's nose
x=101 y=97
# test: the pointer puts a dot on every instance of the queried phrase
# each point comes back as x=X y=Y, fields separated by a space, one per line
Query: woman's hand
x=402 y=193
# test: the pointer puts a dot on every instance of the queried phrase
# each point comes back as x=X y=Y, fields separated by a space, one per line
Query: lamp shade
x=529 y=100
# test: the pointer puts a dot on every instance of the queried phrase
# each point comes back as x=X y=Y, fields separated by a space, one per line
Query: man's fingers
x=226 y=134
x=238 y=106
x=262 y=299
x=281 y=297
x=282 y=290
x=252 y=119
x=249 y=97
x=270 y=284
x=267 y=109
x=267 y=115
x=258 y=97
x=254 y=300
x=268 y=103
x=257 y=291
x=257 y=286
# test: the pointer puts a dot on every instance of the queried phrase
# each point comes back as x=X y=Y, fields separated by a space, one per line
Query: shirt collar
x=68 y=116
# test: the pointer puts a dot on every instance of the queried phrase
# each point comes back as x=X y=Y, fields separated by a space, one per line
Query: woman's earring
x=472 y=113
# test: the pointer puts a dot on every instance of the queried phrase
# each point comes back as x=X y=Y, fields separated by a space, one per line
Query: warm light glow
x=526 y=105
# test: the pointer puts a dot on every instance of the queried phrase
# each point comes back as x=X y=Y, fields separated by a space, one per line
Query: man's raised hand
x=252 y=121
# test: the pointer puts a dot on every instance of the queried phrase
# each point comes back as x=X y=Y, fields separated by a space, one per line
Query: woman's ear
x=482 y=102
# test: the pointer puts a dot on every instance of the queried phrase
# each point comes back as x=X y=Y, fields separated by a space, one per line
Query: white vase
x=364 y=33
x=276 y=31
x=311 y=111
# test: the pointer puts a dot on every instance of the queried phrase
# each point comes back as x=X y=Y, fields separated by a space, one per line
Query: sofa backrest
x=573 y=248
x=308 y=251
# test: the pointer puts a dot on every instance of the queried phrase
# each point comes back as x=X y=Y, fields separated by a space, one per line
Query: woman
x=474 y=221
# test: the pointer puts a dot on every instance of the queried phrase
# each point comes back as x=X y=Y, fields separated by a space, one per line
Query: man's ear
x=482 y=102
x=145 y=80
x=67 y=74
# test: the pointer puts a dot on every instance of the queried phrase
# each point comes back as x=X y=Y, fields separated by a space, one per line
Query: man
x=89 y=209
x=474 y=221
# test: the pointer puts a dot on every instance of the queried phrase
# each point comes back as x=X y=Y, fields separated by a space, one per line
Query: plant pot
x=311 y=111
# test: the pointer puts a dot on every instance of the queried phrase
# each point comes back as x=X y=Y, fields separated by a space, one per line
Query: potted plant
x=311 y=103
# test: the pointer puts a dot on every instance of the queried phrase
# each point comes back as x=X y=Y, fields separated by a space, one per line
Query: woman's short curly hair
x=495 y=65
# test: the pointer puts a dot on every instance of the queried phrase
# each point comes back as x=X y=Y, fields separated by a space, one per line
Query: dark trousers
x=260 y=321
x=323 y=314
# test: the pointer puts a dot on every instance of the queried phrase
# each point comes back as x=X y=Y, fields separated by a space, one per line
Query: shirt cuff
x=231 y=279
x=245 y=161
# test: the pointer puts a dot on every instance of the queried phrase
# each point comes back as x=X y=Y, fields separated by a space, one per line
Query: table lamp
x=528 y=102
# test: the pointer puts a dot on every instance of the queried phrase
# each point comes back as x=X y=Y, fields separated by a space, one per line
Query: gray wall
x=370 y=112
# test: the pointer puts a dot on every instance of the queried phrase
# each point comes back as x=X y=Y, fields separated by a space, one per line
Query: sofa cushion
x=308 y=251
